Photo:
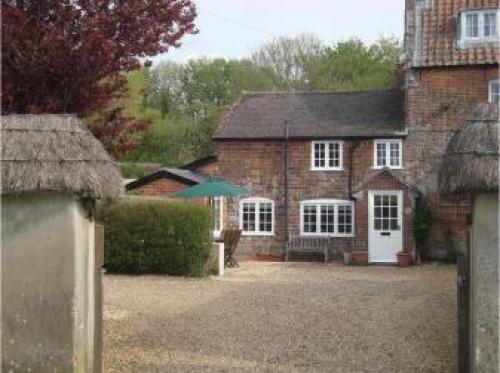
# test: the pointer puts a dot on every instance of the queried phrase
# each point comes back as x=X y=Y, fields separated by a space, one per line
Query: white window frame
x=217 y=233
x=490 y=89
x=331 y=202
x=387 y=143
x=257 y=201
x=481 y=38
x=327 y=155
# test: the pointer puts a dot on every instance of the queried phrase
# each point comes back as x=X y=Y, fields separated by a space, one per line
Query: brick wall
x=437 y=107
x=160 y=188
x=259 y=166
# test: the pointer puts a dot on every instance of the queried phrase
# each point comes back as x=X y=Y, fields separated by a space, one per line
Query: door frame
x=401 y=204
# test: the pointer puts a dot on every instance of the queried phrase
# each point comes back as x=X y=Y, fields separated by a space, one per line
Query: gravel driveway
x=276 y=317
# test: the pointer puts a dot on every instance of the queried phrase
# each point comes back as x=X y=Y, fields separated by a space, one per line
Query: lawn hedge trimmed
x=157 y=237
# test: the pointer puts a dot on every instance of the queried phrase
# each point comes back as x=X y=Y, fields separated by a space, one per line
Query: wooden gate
x=463 y=309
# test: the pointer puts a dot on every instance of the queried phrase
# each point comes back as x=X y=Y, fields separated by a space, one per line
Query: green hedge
x=156 y=237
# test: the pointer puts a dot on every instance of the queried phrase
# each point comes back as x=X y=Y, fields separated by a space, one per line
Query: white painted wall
x=47 y=274
x=484 y=284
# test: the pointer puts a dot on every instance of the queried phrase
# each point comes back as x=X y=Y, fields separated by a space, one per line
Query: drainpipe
x=351 y=167
x=351 y=181
x=287 y=177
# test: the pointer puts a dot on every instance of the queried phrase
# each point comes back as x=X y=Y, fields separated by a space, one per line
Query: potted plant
x=404 y=259
x=360 y=257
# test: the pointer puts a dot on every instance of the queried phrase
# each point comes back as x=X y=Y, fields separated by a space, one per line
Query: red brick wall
x=160 y=188
x=436 y=108
x=259 y=166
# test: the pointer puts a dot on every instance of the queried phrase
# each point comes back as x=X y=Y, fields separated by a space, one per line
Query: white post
x=221 y=259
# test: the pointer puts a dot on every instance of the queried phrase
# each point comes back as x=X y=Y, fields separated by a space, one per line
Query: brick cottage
x=351 y=165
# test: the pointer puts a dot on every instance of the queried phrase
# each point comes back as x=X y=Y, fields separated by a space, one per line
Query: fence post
x=99 y=261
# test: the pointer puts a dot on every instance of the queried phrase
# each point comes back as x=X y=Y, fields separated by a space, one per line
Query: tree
x=289 y=61
x=167 y=87
x=208 y=84
x=353 y=65
x=71 y=55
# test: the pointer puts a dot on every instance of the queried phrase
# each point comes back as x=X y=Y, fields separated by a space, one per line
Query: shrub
x=156 y=237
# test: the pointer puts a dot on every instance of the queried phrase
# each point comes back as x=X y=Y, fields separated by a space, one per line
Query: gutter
x=392 y=135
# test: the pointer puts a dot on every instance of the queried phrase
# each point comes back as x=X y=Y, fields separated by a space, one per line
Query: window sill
x=326 y=169
x=387 y=167
x=318 y=235
x=257 y=234
x=475 y=42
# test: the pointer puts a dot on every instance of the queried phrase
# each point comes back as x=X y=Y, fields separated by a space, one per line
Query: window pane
x=344 y=219
x=378 y=200
x=394 y=154
x=320 y=154
x=385 y=224
x=381 y=155
x=378 y=224
x=490 y=24
x=495 y=92
x=394 y=224
x=249 y=217
x=472 y=25
x=334 y=154
x=265 y=217
x=327 y=216
x=394 y=212
x=309 y=219
x=216 y=217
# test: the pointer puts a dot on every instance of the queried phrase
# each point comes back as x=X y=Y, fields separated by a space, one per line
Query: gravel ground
x=276 y=317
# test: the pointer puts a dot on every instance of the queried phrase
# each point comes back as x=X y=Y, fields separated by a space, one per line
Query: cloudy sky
x=233 y=28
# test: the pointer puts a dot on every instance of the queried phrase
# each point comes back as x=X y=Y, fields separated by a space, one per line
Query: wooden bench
x=309 y=245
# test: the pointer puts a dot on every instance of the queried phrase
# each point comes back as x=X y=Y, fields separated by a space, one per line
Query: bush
x=156 y=237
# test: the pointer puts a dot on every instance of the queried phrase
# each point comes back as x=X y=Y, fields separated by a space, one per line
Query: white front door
x=385 y=226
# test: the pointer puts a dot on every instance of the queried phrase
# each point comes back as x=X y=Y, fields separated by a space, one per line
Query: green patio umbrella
x=213 y=188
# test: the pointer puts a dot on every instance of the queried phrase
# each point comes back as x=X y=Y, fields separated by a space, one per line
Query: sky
x=234 y=28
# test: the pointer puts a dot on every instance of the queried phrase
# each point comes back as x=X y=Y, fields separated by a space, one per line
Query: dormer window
x=478 y=26
x=327 y=155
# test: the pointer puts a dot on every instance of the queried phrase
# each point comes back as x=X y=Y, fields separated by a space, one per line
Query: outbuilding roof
x=200 y=162
x=187 y=177
x=314 y=115
x=471 y=162
x=52 y=152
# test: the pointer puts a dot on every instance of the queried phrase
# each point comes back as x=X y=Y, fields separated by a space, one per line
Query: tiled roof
x=314 y=115
x=432 y=29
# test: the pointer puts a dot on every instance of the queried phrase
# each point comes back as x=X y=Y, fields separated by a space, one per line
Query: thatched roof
x=471 y=161
x=54 y=153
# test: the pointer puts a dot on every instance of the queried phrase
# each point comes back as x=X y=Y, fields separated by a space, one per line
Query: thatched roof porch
x=54 y=153
x=471 y=162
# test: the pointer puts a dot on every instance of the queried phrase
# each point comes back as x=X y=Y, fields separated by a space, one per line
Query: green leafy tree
x=353 y=65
